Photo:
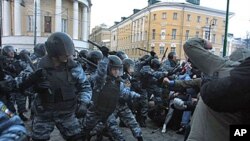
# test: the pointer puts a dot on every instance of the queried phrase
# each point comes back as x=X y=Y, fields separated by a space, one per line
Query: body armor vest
x=107 y=99
x=61 y=87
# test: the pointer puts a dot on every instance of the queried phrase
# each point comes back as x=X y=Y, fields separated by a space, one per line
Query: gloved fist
x=179 y=104
x=43 y=87
x=105 y=51
x=81 y=110
x=8 y=85
x=208 y=45
x=40 y=73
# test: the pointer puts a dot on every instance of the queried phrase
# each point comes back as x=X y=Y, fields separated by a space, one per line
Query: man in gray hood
x=208 y=124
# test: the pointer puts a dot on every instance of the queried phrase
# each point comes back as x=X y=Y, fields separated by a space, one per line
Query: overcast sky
x=109 y=11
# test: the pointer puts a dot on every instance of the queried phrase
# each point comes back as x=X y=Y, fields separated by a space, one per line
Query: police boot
x=139 y=138
x=142 y=122
x=99 y=137
x=181 y=130
x=23 y=117
x=77 y=137
x=122 y=124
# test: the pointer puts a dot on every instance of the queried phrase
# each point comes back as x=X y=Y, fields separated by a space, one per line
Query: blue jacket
x=11 y=126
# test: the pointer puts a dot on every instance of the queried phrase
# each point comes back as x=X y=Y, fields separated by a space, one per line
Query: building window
x=164 y=15
x=187 y=34
x=30 y=25
x=213 y=38
x=47 y=24
x=163 y=34
x=161 y=50
x=172 y=49
x=197 y=34
x=153 y=34
x=142 y=36
x=198 y=19
x=188 y=17
x=224 y=23
x=206 y=34
x=114 y=38
x=154 y=17
x=64 y=25
x=207 y=20
x=146 y=19
x=175 y=16
x=173 y=34
x=215 y=22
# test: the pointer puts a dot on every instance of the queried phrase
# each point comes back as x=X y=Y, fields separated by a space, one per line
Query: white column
x=133 y=31
x=38 y=18
x=58 y=17
x=136 y=30
x=143 y=26
x=85 y=23
x=6 y=18
x=89 y=19
x=75 y=20
x=139 y=30
x=17 y=18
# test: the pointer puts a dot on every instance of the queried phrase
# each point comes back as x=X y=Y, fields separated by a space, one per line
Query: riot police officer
x=107 y=89
x=16 y=68
x=122 y=55
x=95 y=57
x=62 y=89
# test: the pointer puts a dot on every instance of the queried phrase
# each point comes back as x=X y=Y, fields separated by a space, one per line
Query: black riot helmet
x=23 y=54
x=8 y=49
x=83 y=53
x=155 y=64
x=122 y=55
x=143 y=58
x=128 y=65
x=171 y=55
x=40 y=50
x=59 y=44
x=115 y=62
x=95 y=56
x=24 y=51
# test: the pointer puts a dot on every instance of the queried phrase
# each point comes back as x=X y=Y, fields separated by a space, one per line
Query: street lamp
x=211 y=23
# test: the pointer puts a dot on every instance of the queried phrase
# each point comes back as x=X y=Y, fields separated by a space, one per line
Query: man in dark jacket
x=229 y=94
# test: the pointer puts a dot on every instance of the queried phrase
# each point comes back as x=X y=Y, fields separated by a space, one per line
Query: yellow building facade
x=168 y=25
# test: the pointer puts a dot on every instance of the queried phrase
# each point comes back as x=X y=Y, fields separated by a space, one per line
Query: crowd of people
x=93 y=93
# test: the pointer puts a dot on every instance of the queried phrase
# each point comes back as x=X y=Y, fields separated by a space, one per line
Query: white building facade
x=69 y=16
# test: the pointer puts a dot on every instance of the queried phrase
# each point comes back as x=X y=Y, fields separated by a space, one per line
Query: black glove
x=40 y=73
x=105 y=51
x=43 y=87
x=112 y=53
x=152 y=53
x=7 y=85
x=34 y=78
x=81 y=110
